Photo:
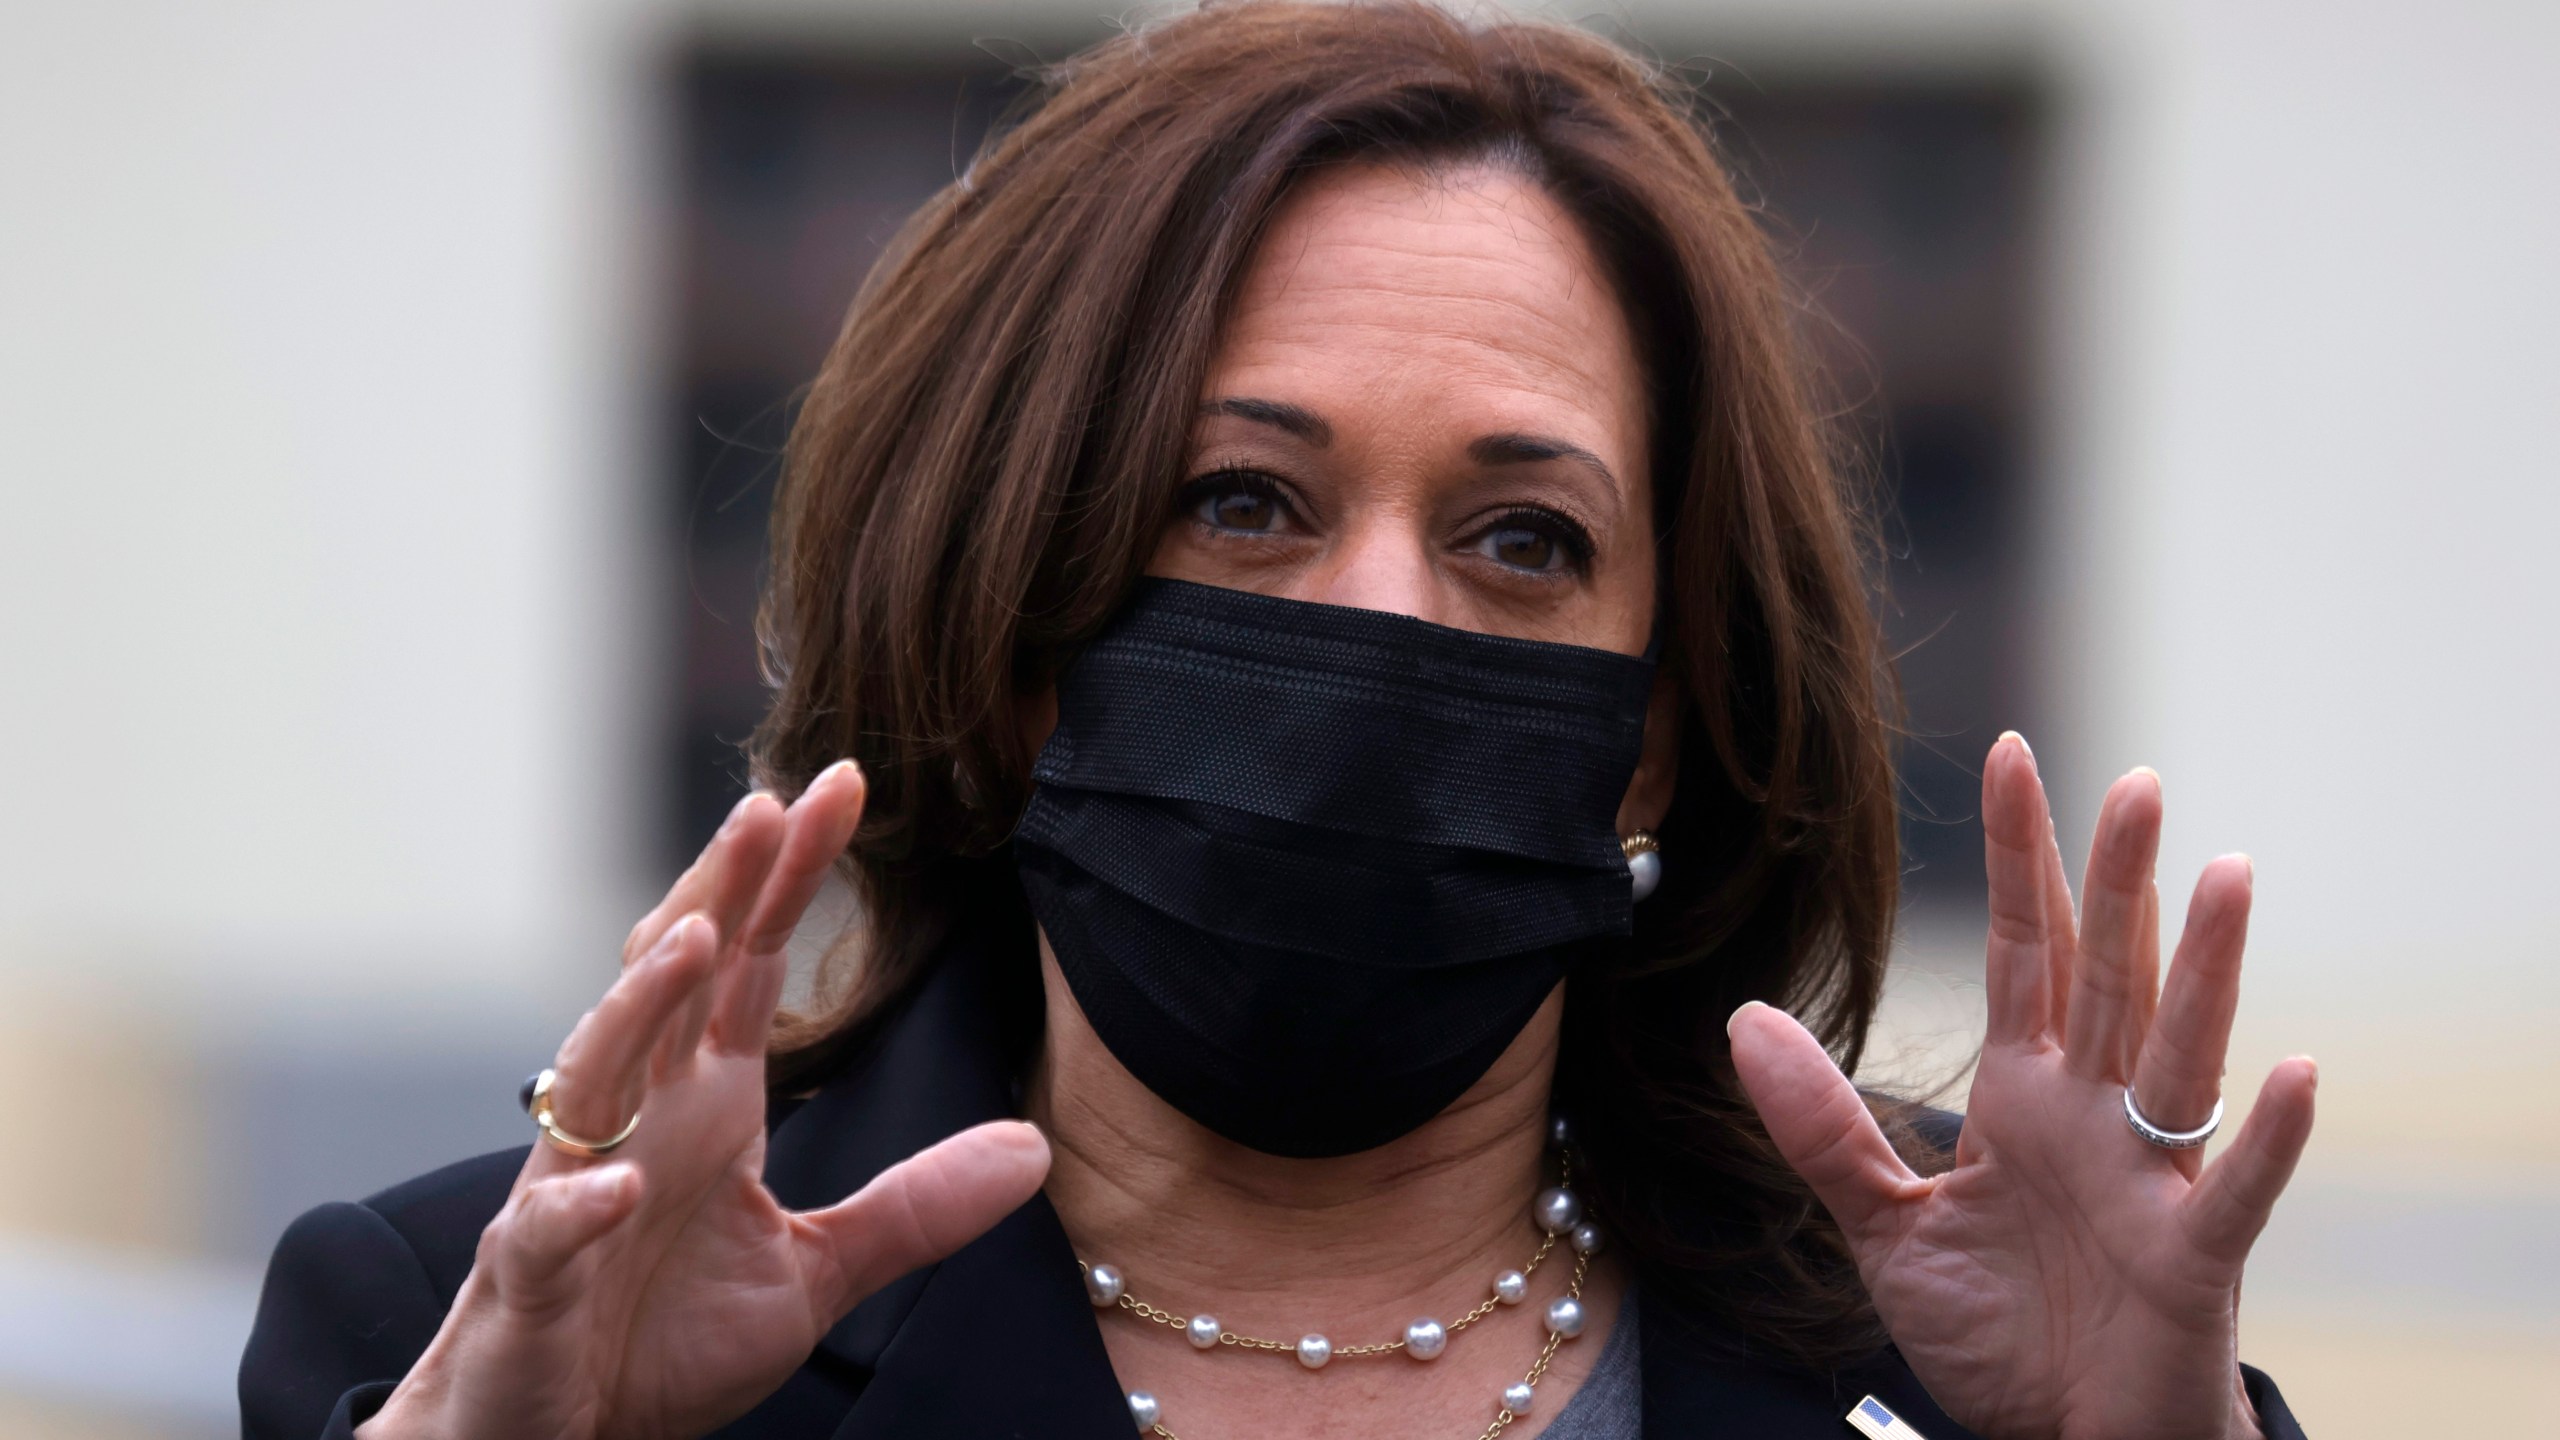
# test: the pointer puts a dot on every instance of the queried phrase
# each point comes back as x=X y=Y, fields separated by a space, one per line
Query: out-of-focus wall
x=2313 y=512
x=320 y=352
x=324 y=338
x=326 y=369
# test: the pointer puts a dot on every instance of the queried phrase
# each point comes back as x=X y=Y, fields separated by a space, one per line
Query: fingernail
x=1738 y=1012
x=838 y=768
x=677 y=937
x=737 y=810
x=2022 y=743
x=2147 y=770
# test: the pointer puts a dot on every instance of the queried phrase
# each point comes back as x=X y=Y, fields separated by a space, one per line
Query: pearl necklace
x=1558 y=1213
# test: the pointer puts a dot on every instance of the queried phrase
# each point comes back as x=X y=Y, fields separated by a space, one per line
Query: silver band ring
x=537 y=1103
x=2170 y=1139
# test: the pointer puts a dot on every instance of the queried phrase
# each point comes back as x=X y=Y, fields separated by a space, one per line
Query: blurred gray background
x=389 y=395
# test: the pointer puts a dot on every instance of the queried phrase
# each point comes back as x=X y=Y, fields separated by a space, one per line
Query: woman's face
x=1427 y=400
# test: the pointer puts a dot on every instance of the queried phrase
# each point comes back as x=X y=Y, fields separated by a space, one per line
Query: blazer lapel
x=1700 y=1386
x=947 y=1062
x=998 y=1340
x=998 y=1344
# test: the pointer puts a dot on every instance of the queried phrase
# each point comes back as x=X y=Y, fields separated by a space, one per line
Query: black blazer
x=355 y=1292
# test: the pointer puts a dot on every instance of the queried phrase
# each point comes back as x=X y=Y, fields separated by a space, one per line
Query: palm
x=663 y=1291
x=2036 y=1222
x=2064 y=1278
x=719 y=1304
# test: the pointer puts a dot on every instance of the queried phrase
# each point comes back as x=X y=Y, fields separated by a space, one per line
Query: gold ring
x=538 y=1105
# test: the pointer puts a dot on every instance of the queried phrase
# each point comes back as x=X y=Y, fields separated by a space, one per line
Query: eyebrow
x=1509 y=448
x=1518 y=449
x=1296 y=419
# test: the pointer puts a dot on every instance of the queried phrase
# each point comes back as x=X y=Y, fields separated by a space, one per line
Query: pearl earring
x=1644 y=861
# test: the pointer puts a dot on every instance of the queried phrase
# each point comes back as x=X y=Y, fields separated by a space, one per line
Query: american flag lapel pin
x=1877 y=1422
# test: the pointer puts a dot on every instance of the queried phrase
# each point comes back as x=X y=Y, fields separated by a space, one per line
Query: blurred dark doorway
x=1907 y=208
x=1910 y=212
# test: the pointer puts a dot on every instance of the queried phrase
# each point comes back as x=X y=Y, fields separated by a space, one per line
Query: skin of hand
x=2065 y=1279
x=661 y=1290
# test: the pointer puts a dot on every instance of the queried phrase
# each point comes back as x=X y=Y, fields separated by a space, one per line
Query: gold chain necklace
x=1558 y=1213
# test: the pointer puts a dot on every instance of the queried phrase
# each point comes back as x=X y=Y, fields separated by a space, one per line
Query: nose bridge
x=1381 y=559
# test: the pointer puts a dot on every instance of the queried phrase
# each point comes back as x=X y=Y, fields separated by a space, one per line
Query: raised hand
x=661 y=1290
x=2066 y=1278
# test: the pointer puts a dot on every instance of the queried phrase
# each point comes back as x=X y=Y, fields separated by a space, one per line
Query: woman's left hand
x=2066 y=1279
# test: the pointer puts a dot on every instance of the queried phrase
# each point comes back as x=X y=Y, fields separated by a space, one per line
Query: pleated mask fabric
x=1308 y=869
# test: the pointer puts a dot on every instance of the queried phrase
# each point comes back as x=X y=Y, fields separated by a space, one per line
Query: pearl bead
x=1103 y=1284
x=1564 y=1317
x=1510 y=1287
x=1556 y=1210
x=1646 y=867
x=1144 y=1409
x=1314 y=1351
x=1516 y=1397
x=1202 y=1332
x=1425 y=1338
x=1559 y=1134
x=1587 y=1238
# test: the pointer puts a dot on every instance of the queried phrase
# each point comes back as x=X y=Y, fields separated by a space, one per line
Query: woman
x=1281 y=537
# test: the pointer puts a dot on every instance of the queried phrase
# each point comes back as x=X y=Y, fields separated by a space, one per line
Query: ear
x=1658 y=770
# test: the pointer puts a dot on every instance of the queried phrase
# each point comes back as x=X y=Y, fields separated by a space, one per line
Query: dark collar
x=1700 y=1382
x=917 y=1358
x=918 y=1353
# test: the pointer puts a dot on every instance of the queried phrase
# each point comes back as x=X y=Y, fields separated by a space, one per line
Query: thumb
x=923 y=1208
x=1817 y=1120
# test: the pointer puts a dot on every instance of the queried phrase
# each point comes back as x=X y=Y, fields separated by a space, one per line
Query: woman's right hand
x=662 y=1290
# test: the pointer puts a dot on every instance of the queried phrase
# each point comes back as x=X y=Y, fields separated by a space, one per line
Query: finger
x=750 y=850
x=820 y=825
x=602 y=1068
x=1815 y=1118
x=2145 y=989
x=2016 y=970
x=2062 y=926
x=550 y=1224
x=920 y=1210
x=691 y=892
x=2231 y=1202
x=745 y=860
x=723 y=880
x=2179 y=1074
x=2099 y=1038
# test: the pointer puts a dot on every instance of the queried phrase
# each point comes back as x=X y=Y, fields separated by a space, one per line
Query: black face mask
x=1309 y=869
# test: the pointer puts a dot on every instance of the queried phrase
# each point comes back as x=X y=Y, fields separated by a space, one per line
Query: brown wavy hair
x=989 y=455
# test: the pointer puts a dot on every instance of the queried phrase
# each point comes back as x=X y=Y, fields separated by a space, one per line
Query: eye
x=1236 y=500
x=1537 y=541
x=1519 y=546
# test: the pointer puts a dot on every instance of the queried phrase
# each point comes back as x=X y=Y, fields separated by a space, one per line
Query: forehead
x=1468 y=286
